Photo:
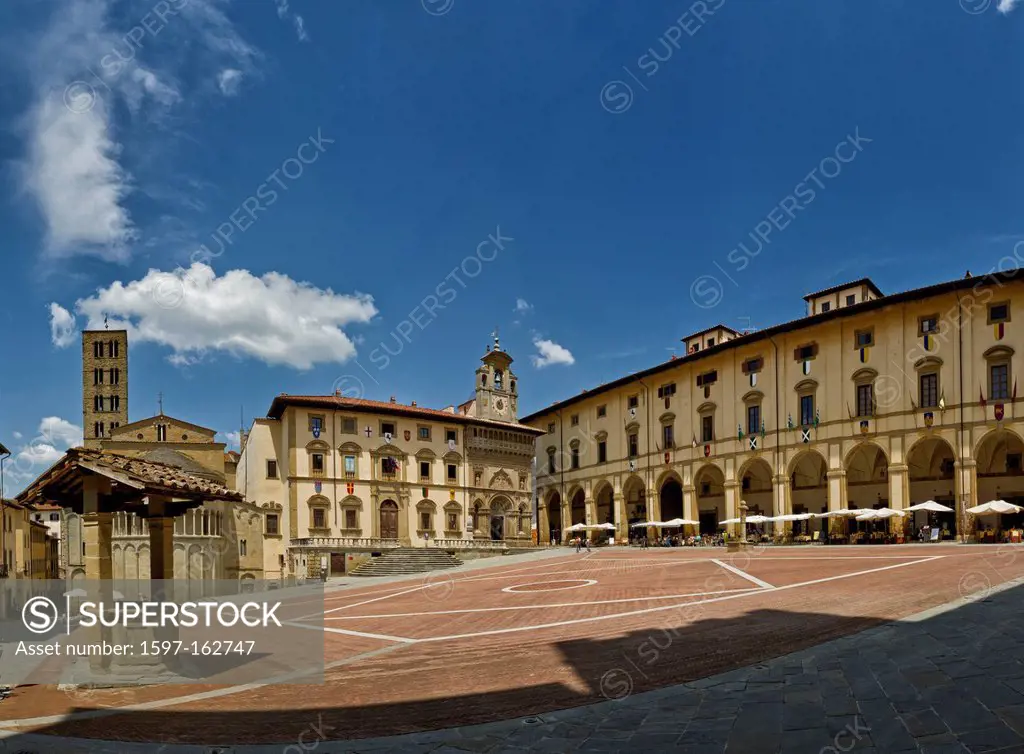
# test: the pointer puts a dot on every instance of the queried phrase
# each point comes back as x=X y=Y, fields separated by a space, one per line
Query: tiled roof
x=342 y=403
x=155 y=477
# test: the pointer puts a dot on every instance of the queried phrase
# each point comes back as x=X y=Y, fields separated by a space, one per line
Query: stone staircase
x=406 y=560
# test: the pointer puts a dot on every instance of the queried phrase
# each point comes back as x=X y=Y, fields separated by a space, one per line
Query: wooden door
x=337 y=563
x=389 y=520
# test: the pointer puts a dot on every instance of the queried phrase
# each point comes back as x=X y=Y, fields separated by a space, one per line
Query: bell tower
x=104 y=384
x=496 y=396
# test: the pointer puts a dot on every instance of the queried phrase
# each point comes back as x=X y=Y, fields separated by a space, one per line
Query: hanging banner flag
x=929 y=418
x=387 y=437
x=351 y=488
x=408 y=435
x=632 y=465
x=999 y=412
x=864 y=426
x=981 y=396
x=928 y=342
x=318 y=487
x=805 y=434
x=806 y=367
x=425 y=492
x=707 y=451
x=762 y=429
x=632 y=413
x=753 y=442
x=739 y=431
x=864 y=356
x=451 y=494
x=451 y=445
x=667 y=461
x=1000 y=330
x=753 y=379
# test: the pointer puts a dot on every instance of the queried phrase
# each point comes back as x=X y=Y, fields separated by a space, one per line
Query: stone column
x=690 y=512
x=589 y=515
x=621 y=522
x=966 y=491
x=161 y=548
x=543 y=524
x=836 y=499
x=732 y=505
x=899 y=496
x=782 y=504
x=97 y=530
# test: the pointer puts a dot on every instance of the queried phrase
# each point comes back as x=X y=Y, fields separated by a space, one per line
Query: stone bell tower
x=496 y=396
x=104 y=384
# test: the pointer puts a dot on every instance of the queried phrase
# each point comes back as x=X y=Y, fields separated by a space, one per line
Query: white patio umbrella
x=577 y=527
x=845 y=513
x=793 y=517
x=995 y=506
x=879 y=514
x=729 y=521
x=606 y=527
x=681 y=522
x=931 y=505
x=757 y=518
x=645 y=524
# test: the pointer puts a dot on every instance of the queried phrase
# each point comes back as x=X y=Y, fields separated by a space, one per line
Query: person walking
x=577 y=544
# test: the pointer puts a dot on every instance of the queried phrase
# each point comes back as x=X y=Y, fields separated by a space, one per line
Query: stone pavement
x=947 y=680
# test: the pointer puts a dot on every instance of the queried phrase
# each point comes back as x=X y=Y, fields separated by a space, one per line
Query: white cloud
x=232 y=439
x=17 y=435
x=55 y=436
x=229 y=81
x=523 y=306
x=550 y=353
x=84 y=63
x=195 y=313
x=1005 y=6
x=62 y=326
x=284 y=12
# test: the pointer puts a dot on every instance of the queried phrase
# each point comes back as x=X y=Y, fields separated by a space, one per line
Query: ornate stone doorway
x=389 y=520
x=497 y=527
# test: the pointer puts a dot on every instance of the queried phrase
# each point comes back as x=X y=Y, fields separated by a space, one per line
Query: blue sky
x=392 y=180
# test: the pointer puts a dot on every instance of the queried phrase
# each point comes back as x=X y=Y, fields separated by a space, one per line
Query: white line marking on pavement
x=743 y=574
x=360 y=634
x=540 y=607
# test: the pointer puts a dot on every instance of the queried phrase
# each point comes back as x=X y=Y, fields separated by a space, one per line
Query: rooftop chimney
x=392 y=399
x=414 y=403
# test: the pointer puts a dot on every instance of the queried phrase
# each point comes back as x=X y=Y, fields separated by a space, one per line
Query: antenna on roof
x=748 y=327
x=160 y=402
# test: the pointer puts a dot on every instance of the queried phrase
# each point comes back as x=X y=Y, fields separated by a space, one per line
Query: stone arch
x=999 y=455
x=553 y=506
x=807 y=478
x=709 y=491
x=867 y=476
x=604 y=502
x=931 y=473
x=577 y=506
x=756 y=488
x=670 y=496
x=634 y=493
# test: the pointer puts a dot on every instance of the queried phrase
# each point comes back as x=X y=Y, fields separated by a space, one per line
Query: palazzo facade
x=869 y=400
x=335 y=475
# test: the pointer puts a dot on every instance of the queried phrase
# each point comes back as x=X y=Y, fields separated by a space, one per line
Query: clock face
x=499 y=405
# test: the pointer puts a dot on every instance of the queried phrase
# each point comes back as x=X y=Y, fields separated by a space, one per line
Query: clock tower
x=496 y=396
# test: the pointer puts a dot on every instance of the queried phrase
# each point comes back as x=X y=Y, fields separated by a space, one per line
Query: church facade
x=335 y=475
x=216 y=541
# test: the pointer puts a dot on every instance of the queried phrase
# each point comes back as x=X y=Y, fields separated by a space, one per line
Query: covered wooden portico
x=97 y=484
